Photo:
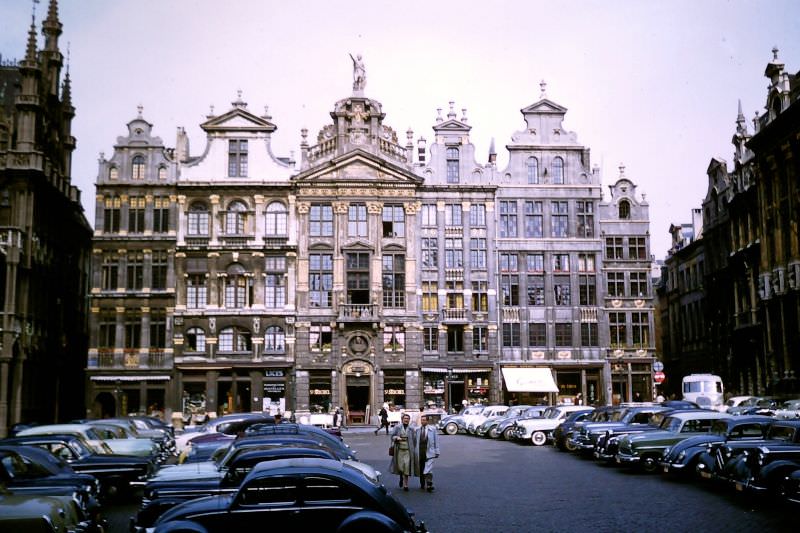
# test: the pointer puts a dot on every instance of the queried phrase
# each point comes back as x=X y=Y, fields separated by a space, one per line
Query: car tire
x=539 y=438
x=569 y=446
x=649 y=464
x=507 y=433
x=492 y=433
x=451 y=428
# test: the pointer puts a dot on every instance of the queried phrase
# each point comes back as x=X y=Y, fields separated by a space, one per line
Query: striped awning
x=434 y=370
x=130 y=378
x=471 y=370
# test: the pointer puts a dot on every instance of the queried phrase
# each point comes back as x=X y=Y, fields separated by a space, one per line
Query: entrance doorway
x=357 y=399
x=455 y=390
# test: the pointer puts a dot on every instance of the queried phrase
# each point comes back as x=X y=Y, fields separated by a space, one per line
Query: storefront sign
x=320 y=392
x=273 y=373
x=274 y=388
x=394 y=392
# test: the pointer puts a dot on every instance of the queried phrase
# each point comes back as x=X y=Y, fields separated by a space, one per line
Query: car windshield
x=80 y=449
x=534 y=412
x=618 y=415
x=551 y=412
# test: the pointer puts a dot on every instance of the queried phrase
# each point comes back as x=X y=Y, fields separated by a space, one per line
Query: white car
x=789 y=410
x=538 y=430
x=488 y=412
x=734 y=401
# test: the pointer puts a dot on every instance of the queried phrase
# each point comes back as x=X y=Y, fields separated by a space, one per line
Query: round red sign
x=659 y=377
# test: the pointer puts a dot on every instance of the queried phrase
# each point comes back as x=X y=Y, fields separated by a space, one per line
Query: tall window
x=614 y=248
x=357 y=220
x=430 y=339
x=111 y=214
x=237 y=158
x=159 y=262
x=561 y=290
x=586 y=263
x=110 y=273
x=320 y=280
x=477 y=254
x=509 y=289
x=511 y=334
x=638 y=284
x=236 y=218
x=274 y=282
x=637 y=248
x=560 y=262
x=430 y=296
x=454 y=253
x=394 y=339
x=430 y=252
x=587 y=286
x=480 y=339
x=320 y=219
x=133 y=329
x=160 y=214
x=616 y=284
x=196 y=291
x=477 y=215
x=428 y=215
x=195 y=340
x=589 y=334
x=537 y=334
x=563 y=332
x=616 y=329
x=162 y=172
x=536 y=289
x=274 y=340
x=320 y=337
x=158 y=328
x=113 y=173
x=558 y=171
x=275 y=220
x=534 y=262
x=559 y=219
x=238 y=287
x=640 y=326
x=357 y=264
x=136 y=209
x=533 y=170
x=624 y=209
x=137 y=167
x=107 y=329
x=455 y=338
x=197 y=223
x=234 y=339
x=394 y=280
x=585 y=213
x=394 y=221
x=480 y=296
x=135 y=271
x=508 y=219
x=455 y=294
x=452 y=165
x=452 y=215
x=534 y=223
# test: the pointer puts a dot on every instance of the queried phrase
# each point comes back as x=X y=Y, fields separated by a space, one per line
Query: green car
x=34 y=513
x=644 y=450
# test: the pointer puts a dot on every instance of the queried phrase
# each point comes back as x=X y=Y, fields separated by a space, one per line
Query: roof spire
x=139 y=109
x=30 y=50
x=67 y=91
x=51 y=27
x=775 y=53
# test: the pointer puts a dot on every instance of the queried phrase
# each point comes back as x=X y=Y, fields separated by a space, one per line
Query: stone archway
x=358 y=382
x=105 y=406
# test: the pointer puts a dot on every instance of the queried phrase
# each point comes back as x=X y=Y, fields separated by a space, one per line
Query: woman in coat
x=402 y=462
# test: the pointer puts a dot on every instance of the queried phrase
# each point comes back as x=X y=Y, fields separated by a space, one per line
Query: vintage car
x=506 y=426
x=731 y=404
x=84 y=431
x=489 y=426
x=682 y=458
x=563 y=432
x=295 y=495
x=122 y=442
x=38 y=513
x=324 y=435
x=217 y=425
x=644 y=450
x=118 y=475
x=789 y=410
x=585 y=440
x=538 y=430
x=452 y=424
x=490 y=411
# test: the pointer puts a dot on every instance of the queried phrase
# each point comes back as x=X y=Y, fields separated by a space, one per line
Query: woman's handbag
x=391 y=451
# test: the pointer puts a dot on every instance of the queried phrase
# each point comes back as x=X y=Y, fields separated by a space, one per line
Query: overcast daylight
x=321 y=266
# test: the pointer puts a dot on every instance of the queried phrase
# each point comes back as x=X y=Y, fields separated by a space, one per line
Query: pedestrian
x=336 y=417
x=637 y=397
x=579 y=399
x=278 y=418
x=660 y=398
x=401 y=463
x=426 y=450
x=384 y=419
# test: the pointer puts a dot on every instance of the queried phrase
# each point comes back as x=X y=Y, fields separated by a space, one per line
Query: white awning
x=471 y=370
x=434 y=370
x=529 y=379
x=129 y=378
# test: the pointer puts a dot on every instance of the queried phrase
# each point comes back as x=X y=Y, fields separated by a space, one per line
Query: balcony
x=455 y=315
x=275 y=241
x=156 y=358
x=197 y=240
x=358 y=312
x=510 y=314
x=105 y=358
x=238 y=241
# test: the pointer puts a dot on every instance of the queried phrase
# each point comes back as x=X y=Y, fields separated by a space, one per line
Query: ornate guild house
x=374 y=269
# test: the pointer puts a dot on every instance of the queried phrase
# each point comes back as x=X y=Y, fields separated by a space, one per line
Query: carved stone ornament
x=374 y=208
x=340 y=207
x=303 y=208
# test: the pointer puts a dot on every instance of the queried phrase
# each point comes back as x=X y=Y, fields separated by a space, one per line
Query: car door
x=328 y=500
x=272 y=500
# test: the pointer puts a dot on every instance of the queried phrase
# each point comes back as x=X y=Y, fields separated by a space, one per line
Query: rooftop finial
x=210 y=110
x=30 y=50
x=359 y=73
x=451 y=113
x=439 y=114
x=239 y=102
x=543 y=87
x=775 y=53
x=621 y=170
x=463 y=114
x=139 y=109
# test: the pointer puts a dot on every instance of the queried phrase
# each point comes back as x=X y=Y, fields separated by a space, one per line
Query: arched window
x=113 y=173
x=276 y=219
x=452 y=165
x=162 y=172
x=234 y=339
x=235 y=218
x=195 y=340
x=137 y=168
x=198 y=219
x=558 y=170
x=274 y=339
x=624 y=209
x=533 y=170
x=238 y=287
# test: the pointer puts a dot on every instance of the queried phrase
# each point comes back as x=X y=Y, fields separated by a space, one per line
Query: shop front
x=528 y=385
x=394 y=388
x=274 y=393
x=319 y=391
x=631 y=381
x=121 y=395
x=452 y=388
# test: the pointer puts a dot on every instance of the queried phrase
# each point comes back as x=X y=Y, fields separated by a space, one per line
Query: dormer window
x=533 y=170
x=624 y=209
x=137 y=168
x=452 y=165
x=113 y=173
x=558 y=170
x=237 y=158
x=162 y=172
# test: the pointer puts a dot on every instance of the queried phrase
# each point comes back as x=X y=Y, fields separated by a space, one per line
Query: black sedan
x=295 y=495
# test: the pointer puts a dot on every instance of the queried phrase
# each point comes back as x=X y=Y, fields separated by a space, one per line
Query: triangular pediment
x=544 y=106
x=452 y=125
x=358 y=166
x=238 y=119
x=357 y=245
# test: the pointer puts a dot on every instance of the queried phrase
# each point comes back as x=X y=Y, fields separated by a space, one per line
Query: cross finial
x=543 y=87
x=239 y=94
x=140 y=108
x=621 y=169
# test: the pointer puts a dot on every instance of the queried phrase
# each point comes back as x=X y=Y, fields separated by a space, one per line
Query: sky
x=650 y=84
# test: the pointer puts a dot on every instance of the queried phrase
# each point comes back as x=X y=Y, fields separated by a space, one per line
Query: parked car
x=789 y=410
x=506 y=426
x=217 y=425
x=682 y=458
x=563 y=432
x=322 y=434
x=731 y=404
x=118 y=475
x=644 y=450
x=538 y=430
x=84 y=431
x=121 y=441
x=202 y=445
x=489 y=412
x=37 y=513
x=586 y=439
x=452 y=424
x=489 y=426
x=296 y=495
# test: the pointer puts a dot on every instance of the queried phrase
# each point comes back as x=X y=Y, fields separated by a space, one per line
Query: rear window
x=323 y=490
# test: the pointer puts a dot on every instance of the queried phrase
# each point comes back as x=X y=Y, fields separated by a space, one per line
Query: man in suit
x=426 y=448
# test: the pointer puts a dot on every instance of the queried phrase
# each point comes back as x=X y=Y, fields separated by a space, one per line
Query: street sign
x=659 y=377
x=658 y=366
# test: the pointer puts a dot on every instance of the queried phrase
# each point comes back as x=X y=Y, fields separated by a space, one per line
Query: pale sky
x=651 y=84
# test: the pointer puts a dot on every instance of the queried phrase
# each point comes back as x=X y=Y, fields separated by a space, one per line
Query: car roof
x=54 y=428
x=298 y=463
x=699 y=414
x=23 y=439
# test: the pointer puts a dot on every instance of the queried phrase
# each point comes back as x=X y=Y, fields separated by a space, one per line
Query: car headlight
x=666 y=452
x=682 y=455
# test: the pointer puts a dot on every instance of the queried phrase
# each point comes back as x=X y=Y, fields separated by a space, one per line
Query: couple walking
x=414 y=451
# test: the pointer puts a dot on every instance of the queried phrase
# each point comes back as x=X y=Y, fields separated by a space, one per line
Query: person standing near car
x=401 y=463
x=426 y=451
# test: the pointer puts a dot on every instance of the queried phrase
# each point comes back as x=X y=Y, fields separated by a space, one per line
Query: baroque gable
x=357 y=168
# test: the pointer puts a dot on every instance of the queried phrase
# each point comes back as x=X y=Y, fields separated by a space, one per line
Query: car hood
x=202 y=470
x=200 y=505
